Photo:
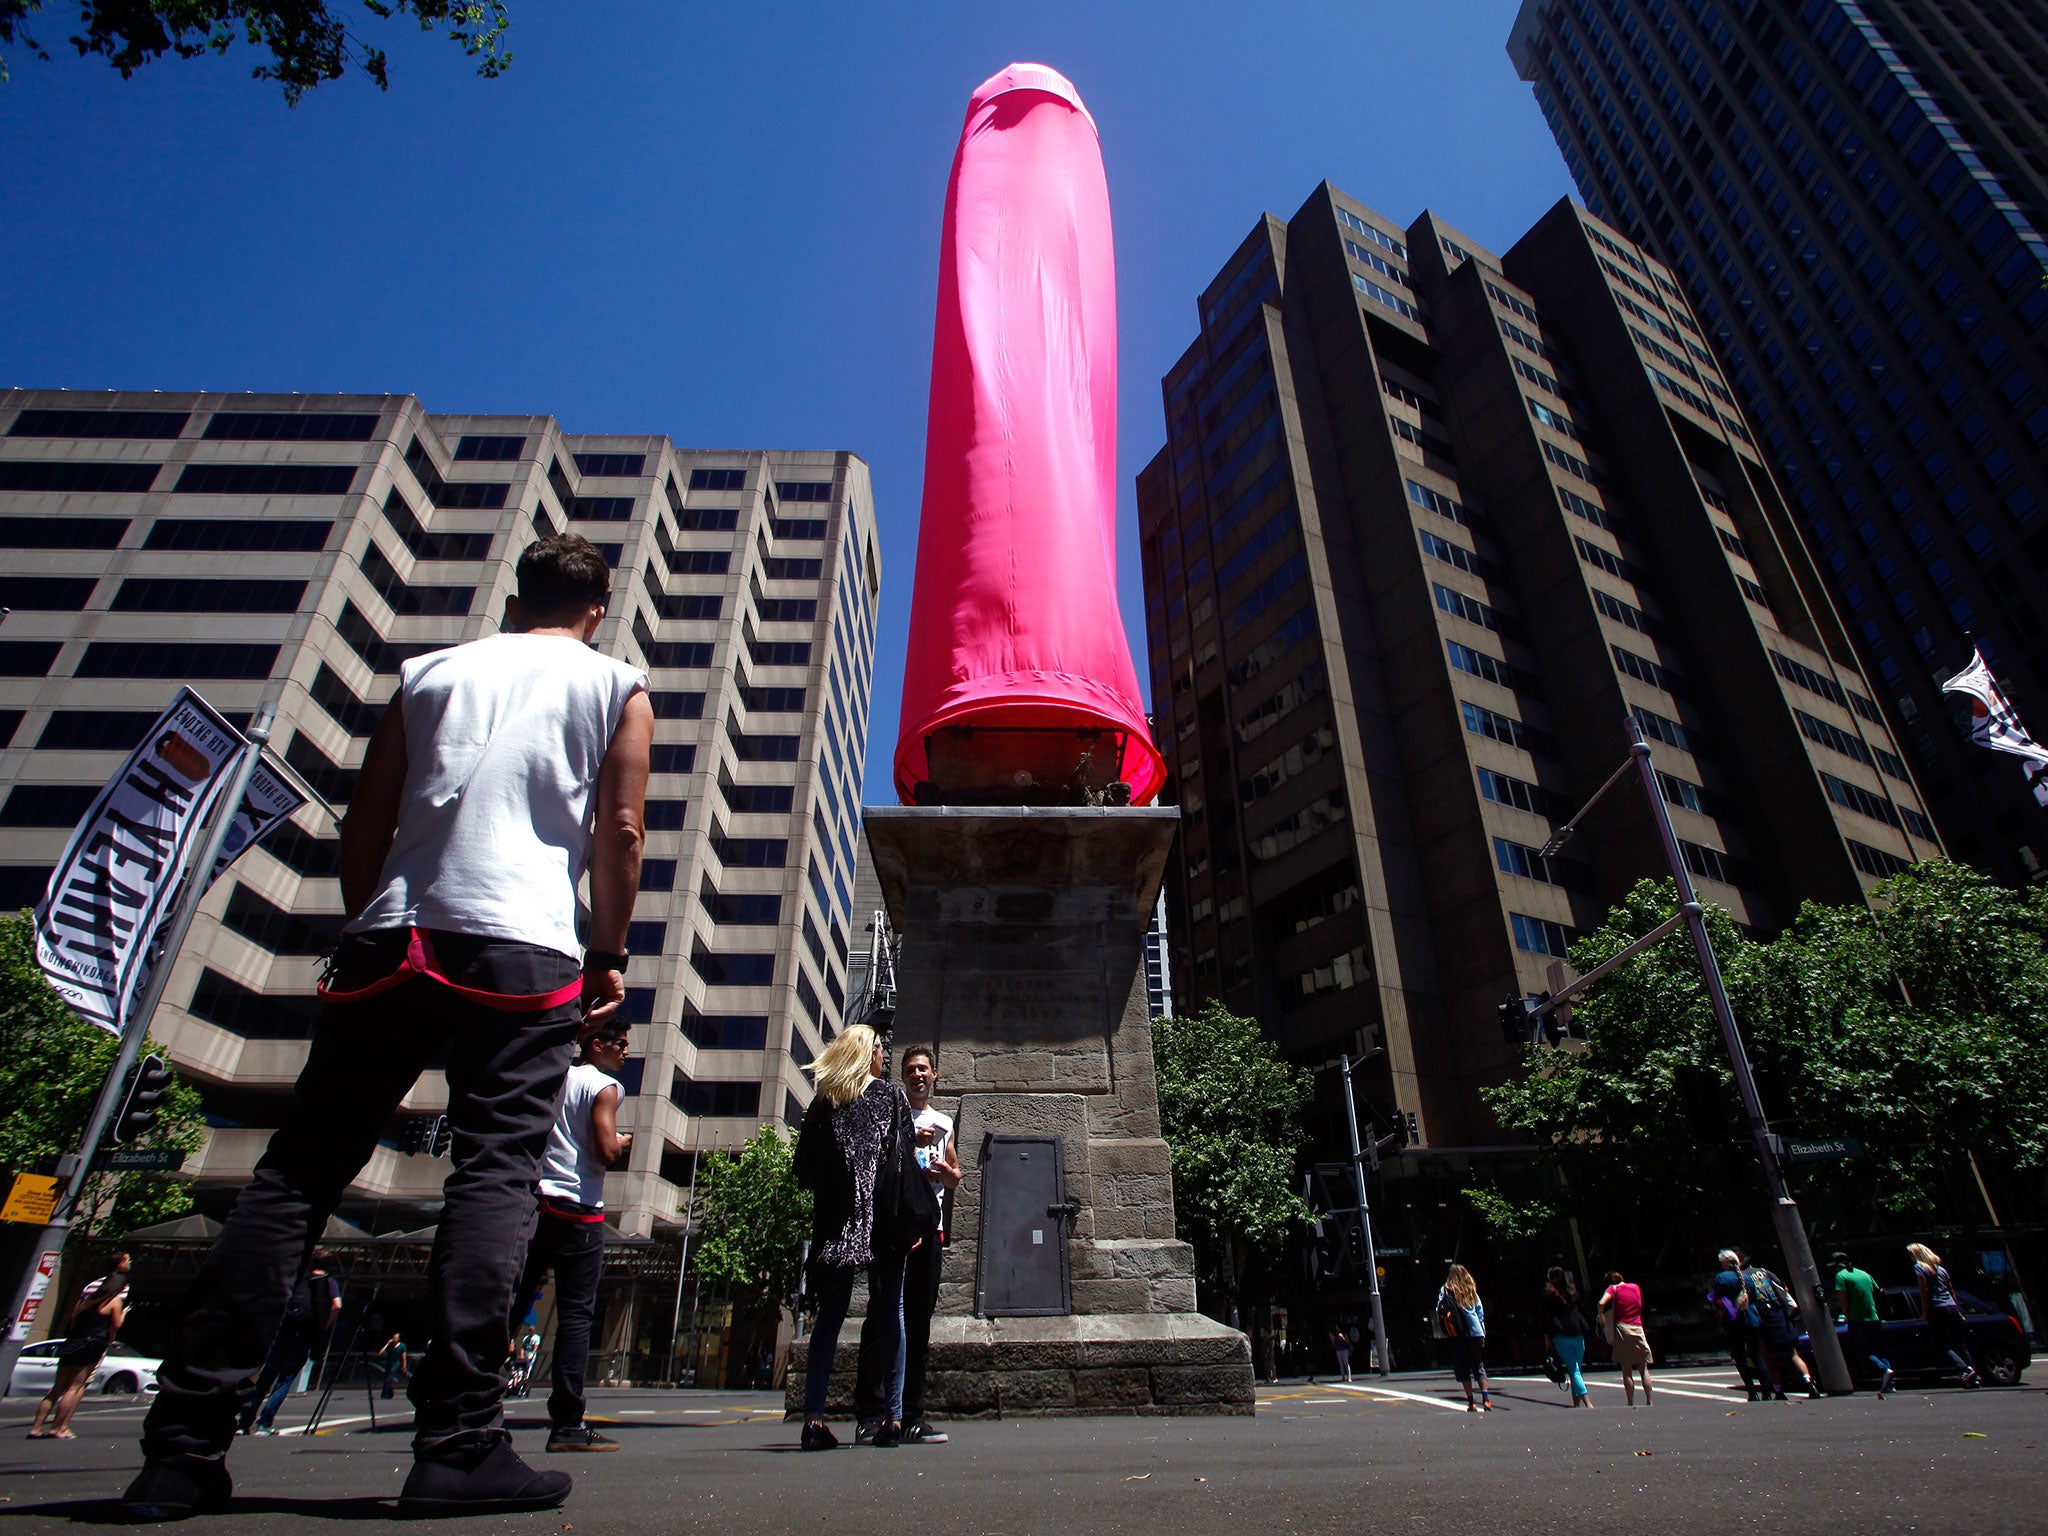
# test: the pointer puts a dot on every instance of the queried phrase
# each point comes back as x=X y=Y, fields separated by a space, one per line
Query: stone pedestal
x=1022 y=967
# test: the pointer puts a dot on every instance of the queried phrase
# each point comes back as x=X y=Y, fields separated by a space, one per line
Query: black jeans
x=574 y=1250
x=1746 y=1349
x=921 y=1272
x=505 y=1073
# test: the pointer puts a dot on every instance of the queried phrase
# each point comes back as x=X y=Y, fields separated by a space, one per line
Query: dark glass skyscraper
x=1431 y=523
x=1854 y=194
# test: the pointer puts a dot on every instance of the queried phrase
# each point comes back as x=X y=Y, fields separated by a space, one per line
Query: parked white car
x=123 y=1372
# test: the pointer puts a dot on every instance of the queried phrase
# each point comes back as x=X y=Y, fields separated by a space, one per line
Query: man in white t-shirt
x=503 y=771
x=921 y=1270
x=568 y=1234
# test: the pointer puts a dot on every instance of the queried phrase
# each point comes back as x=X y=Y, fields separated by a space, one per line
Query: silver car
x=123 y=1373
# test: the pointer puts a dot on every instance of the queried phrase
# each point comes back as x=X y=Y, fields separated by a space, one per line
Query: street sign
x=1395 y=1253
x=152 y=1159
x=1829 y=1149
x=33 y=1200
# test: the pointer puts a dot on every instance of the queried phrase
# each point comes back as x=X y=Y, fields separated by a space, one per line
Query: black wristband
x=599 y=960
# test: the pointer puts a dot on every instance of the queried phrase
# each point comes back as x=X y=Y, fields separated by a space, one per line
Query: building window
x=101 y=479
x=130 y=658
x=285 y=535
x=601 y=509
x=1451 y=554
x=715 y=1100
x=1481 y=665
x=62 y=532
x=750 y=852
x=1708 y=863
x=1496 y=727
x=672 y=757
x=181 y=594
x=95 y=730
x=1856 y=798
x=732 y=970
x=339 y=700
x=290 y=427
x=802 y=528
x=265 y=480
x=804 y=490
x=47 y=805
x=46 y=594
x=1659 y=728
x=724 y=1031
x=718 y=479
x=1682 y=793
x=610 y=466
x=1539 y=935
x=1523 y=796
x=280 y=932
x=779 y=653
x=225 y=1002
x=776 y=568
x=101 y=424
x=1876 y=862
x=657 y=874
x=740 y=909
x=666 y=815
x=672 y=705
x=488 y=450
x=700 y=562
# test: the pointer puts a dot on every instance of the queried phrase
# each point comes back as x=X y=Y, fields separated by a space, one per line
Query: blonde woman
x=1943 y=1312
x=1463 y=1318
x=846 y=1134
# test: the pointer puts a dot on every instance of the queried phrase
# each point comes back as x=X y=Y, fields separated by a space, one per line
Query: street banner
x=119 y=875
x=46 y=1271
x=1996 y=724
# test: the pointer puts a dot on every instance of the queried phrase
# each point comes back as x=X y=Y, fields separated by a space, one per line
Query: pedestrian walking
x=1943 y=1312
x=1621 y=1306
x=391 y=1361
x=502 y=772
x=1340 y=1343
x=308 y=1323
x=96 y=1316
x=568 y=1230
x=1565 y=1325
x=922 y=1268
x=856 y=1131
x=1856 y=1299
x=1741 y=1328
x=1462 y=1316
x=1776 y=1314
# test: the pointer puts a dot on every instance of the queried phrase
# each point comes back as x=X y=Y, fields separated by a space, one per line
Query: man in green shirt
x=1856 y=1302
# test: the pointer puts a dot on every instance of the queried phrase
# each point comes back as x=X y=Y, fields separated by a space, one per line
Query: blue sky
x=716 y=223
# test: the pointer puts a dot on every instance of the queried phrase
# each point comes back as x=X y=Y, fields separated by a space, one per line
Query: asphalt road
x=1317 y=1457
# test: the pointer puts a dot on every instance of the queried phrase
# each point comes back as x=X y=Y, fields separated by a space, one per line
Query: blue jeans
x=834 y=1290
x=1571 y=1349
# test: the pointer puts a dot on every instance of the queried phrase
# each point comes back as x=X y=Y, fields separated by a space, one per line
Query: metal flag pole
x=1382 y=1356
x=76 y=1166
x=1805 y=1275
x=683 y=1261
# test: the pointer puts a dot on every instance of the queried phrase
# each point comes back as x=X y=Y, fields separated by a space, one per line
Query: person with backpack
x=308 y=1319
x=1776 y=1316
x=1462 y=1316
x=1943 y=1312
x=1741 y=1328
x=1565 y=1324
x=1621 y=1309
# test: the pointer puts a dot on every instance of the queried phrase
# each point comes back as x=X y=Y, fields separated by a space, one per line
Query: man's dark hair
x=560 y=574
x=925 y=1051
x=614 y=1029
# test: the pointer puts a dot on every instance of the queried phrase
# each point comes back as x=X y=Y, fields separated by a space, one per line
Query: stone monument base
x=1164 y=1363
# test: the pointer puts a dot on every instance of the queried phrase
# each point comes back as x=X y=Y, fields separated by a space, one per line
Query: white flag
x=118 y=879
x=1996 y=724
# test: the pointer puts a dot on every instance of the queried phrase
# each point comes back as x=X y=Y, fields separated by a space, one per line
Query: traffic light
x=440 y=1137
x=1514 y=1021
x=1553 y=1026
x=146 y=1090
x=412 y=1135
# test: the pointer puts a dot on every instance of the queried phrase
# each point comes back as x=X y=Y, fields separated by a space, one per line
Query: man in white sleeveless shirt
x=503 y=771
x=569 y=1236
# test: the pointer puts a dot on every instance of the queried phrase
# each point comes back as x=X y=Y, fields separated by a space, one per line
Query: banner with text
x=118 y=876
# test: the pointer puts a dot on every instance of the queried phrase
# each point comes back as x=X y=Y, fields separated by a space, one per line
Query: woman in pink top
x=1621 y=1311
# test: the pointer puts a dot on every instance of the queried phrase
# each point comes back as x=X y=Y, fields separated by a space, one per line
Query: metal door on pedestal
x=1021 y=1257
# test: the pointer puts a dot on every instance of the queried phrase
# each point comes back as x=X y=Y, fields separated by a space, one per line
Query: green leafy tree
x=51 y=1066
x=309 y=41
x=1918 y=1025
x=1230 y=1110
x=752 y=1221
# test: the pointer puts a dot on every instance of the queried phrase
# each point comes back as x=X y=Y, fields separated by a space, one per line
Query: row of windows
x=1318 y=816
x=410 y=600
x=605 y=466
x=269 y=535
x=756 y=799
x=724 y=1031
x=1393 y=301
x=1624 y=613
x=61 y=532
x=601 y=509
x=46 y=594
x=291 y=427
x=724 y=969
x=1876 y=862
x=461 y=495
x=1710 y=863
x=1339 y=973
x=1606 y=559
x=1468 y=608
x=1535 y=375
x=433 y=546
x=1570 y=463
x=1477 y=663
x=1451 y=554
x=1290 y=764
x=1442 y=505
x=740 y=909
x=1592 y=512
x=1661 y=728
x=1495 y=726
x=718 y=479
x=1514 y=858
x=54 y=476
x=471 y=448
x=1814 y=682
x=265 y=480
x=1644 y=670
x=717 y=1100
x=804 y=490
x=1539 y=935
x=101 y=424
x=1379 y=237
x=1523 y=796
x=192 y=594
x=1838 y=740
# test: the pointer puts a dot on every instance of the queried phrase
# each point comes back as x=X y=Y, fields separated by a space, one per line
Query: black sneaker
x=922 y=1433
x=580 y=1437
x=888 y=1437
x=818 y=1437
x=866 y=1430
x=1884 y=1386
x=165 y=1490
x=488 y=1482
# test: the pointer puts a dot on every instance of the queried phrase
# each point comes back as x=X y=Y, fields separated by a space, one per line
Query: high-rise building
x=1430 y=525
x=1854 y=196
x=297 y=548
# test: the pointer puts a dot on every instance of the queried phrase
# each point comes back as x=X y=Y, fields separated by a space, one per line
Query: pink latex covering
x=1013 y=615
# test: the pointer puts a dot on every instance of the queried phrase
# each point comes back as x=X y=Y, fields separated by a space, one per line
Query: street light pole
x=1805 y=1274
x=1382 y=1356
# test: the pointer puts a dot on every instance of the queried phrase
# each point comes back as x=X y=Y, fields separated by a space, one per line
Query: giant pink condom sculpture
x=1019 y=687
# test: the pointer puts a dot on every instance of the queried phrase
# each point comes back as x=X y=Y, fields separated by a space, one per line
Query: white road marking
x=327 y=1424
x=1660 y=1389
x=1385 y=1392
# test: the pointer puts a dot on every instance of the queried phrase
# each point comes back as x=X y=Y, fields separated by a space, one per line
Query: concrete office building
x=1430 y=524
x=297 y=548
x=1854 y=196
